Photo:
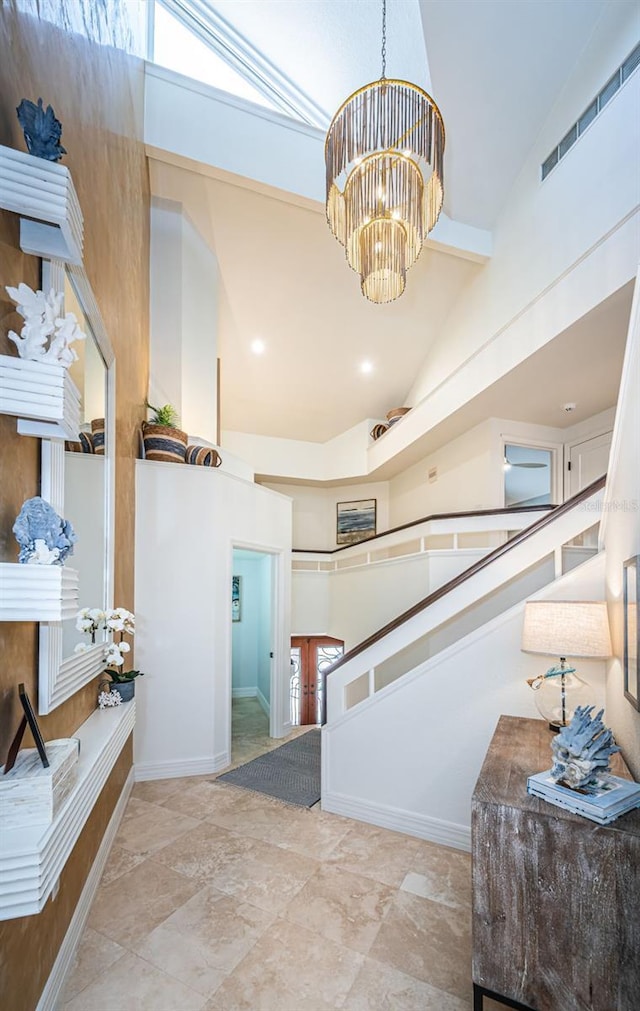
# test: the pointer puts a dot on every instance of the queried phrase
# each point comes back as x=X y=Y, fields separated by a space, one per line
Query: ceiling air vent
x=622 y=74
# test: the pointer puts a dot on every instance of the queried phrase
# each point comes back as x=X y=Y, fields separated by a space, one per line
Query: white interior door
x=588 y=461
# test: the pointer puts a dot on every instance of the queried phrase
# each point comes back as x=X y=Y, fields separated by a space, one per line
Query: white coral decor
x=108 y=699
x=46 y=336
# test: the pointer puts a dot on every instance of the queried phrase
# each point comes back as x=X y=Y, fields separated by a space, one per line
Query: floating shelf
x=43 y=395
x=43 y=194
x=32 y=859
x=37 y=592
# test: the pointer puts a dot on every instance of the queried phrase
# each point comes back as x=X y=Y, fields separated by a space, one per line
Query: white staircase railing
x=353 y=678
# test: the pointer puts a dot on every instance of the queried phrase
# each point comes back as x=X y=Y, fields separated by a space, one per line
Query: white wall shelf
x=37 y=592
x=43 y=194
x=42 y=394
x=32 y=859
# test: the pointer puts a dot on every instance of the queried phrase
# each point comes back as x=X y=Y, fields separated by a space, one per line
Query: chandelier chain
x=384 y=40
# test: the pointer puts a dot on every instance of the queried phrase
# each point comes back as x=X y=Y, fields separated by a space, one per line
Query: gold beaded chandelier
x=384 y=157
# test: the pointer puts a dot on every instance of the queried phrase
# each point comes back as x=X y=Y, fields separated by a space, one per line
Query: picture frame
x=29 y=719
x=236 y=603
x=631 y=595
x=355 y=521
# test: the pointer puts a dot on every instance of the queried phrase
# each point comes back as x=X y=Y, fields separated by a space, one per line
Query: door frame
x=279 y=688
x=557 y=463
x=569 y=446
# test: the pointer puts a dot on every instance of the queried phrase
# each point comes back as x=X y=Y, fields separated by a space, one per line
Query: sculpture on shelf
x=44 y=537
x=581 y=751
x=42 y=131
x=46 y=336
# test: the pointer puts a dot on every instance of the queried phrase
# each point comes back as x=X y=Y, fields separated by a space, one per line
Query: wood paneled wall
x=65 y=51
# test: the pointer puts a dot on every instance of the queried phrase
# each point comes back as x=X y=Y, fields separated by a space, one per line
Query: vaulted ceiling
x=495 y=68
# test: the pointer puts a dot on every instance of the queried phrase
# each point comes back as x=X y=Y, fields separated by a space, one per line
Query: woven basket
x=163 y=443
x=378 y=430
x=97 y=435
x=83 y=445
x=203 y=456
x=396 y=414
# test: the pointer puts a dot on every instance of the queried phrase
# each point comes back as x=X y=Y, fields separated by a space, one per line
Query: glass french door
x=310 y=657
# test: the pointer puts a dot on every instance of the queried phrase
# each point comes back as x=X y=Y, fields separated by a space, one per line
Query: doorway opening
x=528 y=475
x=252 y=638
x=310 y=658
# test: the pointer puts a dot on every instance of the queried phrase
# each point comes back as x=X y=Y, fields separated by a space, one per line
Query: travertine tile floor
x=219 y=899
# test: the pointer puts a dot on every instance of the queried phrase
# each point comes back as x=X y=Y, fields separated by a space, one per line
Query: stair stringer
x=408 y=757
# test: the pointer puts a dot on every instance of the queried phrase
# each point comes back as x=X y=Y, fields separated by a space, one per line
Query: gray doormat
x=290 y=773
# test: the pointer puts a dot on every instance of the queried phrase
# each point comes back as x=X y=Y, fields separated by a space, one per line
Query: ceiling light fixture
x=366 y=368
x=392 y=132
x=258 y=346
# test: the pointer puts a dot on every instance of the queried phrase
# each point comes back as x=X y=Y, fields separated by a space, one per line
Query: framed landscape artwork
x=631 y=631
x=356 y=521
x=235 y=598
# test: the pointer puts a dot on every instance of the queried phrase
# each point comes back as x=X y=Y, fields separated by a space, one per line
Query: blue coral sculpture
x=44 y=537
x=42 y=131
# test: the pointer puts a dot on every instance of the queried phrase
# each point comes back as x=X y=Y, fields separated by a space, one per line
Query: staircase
x=423 y=693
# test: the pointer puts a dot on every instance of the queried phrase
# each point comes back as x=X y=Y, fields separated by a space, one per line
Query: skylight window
x=176 y=48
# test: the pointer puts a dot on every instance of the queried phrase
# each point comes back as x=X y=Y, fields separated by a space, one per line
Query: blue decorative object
x=44 y=537
x=582 y=750
x=42 y=131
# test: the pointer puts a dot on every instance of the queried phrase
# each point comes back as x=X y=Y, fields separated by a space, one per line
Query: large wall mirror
x=77 y=478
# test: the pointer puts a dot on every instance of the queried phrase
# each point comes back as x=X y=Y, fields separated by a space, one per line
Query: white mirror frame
x=60 y=677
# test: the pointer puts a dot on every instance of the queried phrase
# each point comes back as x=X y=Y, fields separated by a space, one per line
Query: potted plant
x=162 y=438
x=118 y=621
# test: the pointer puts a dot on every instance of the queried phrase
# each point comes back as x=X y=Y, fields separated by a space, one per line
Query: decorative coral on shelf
x=47 y=335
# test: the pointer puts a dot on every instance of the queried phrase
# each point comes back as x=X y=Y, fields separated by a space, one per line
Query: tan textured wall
x=53 y=50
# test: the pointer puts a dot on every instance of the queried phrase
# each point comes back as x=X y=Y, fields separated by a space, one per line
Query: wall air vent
x=622 y=74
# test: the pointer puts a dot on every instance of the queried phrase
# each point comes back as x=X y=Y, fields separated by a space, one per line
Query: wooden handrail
x=426 y=519
x=462 y=577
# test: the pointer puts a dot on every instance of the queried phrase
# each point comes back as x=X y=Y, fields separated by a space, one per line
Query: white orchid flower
x=124 y=647
x=81 y=647
x=114 y=656
x=96 y=614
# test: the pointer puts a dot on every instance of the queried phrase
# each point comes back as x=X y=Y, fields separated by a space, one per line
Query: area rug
x=290 y=773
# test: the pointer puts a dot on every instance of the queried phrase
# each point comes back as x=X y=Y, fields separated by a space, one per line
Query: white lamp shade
x=562 y=628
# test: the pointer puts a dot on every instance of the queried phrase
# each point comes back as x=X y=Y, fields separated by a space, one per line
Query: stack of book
x=612 y=797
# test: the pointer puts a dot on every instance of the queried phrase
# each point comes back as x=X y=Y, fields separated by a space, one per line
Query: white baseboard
x=68 y=947
x=181 y=767
x=264 y=705
x=244 y=693
x=435 y=830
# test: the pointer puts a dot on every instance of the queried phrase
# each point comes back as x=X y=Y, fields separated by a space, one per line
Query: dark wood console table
x=556 y=898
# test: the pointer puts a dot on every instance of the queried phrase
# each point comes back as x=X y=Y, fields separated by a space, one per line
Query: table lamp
x=564 y=628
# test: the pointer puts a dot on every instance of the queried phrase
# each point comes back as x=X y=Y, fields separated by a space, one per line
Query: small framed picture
x=356 y=521
x=631 y=632
x=235 y=598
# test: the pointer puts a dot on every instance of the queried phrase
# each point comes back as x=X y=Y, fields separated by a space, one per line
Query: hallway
x=220 y=899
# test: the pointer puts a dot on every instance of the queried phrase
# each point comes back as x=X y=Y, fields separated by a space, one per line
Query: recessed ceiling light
x=258 y=346
x=366 y=367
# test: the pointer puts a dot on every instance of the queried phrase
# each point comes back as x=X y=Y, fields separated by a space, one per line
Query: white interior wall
x=165 y=304
x=187 y=521
x=621 y=536
x=543 y=231
x=470 y=468
x=199 y=336
x=465 y=479
x=315 y=515
x=184 y=313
